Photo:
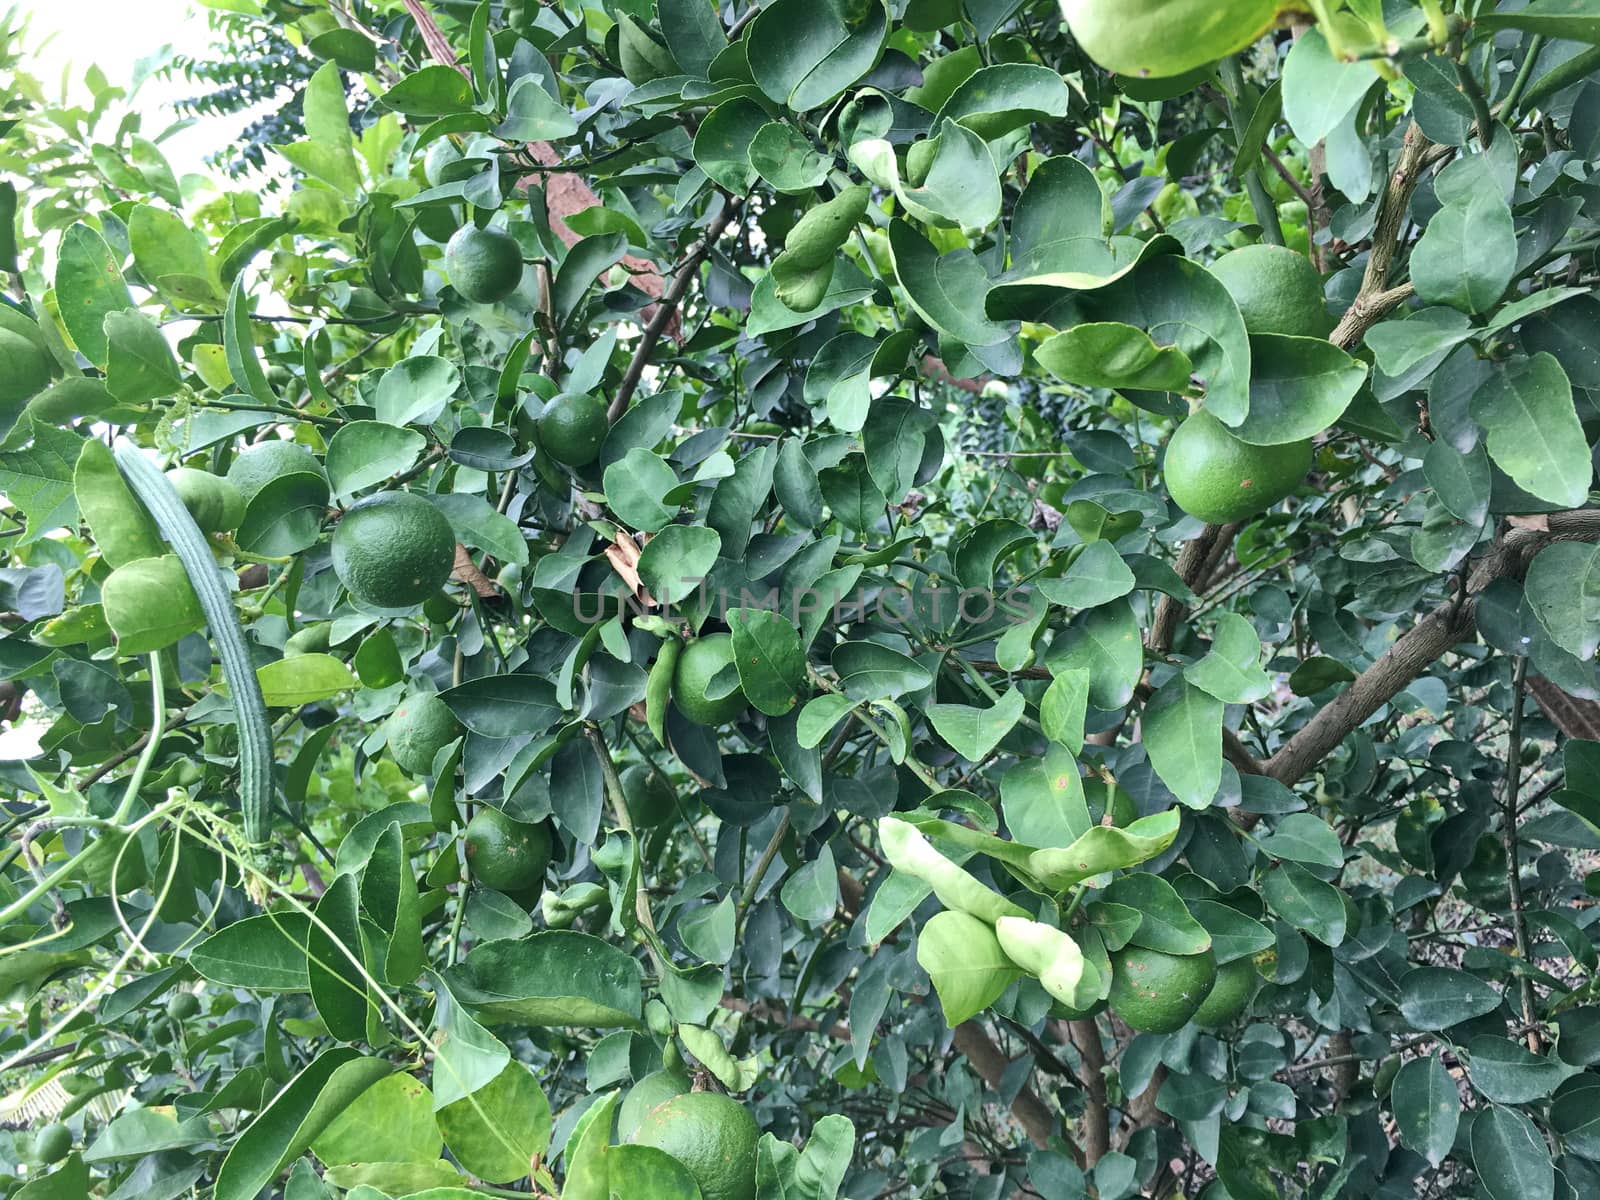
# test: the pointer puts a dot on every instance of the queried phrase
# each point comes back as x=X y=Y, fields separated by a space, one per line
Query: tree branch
x=1422 y=645
x=669 y=306
x=1031 y=1112
x=1085 y=1035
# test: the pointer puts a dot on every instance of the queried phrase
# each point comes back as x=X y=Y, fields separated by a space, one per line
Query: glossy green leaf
x=556 y=977
x=1533 y=431
x=88 y=286
x=1439 y=997
x=1298 y=387
x=1182 y=733
x=1427 y=1107
x=963 y=958
x=1467 y=254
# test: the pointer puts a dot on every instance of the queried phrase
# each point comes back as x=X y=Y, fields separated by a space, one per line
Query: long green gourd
x=250 y=710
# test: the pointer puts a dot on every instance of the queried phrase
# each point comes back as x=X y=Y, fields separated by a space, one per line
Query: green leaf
x=239 y=340
x=1064 y=706
x=1578 y=20
x=89 y=286
x=1319 y=90
x=1533 y=431
x=389 y=896
x=1304 y=838
x=1178 y=301
x=694 y=33
x=1105 y=642
x=1182 y=733
x=416 y=389
x=294 y=1118
x=636 y=489
x=1439 y=997
x=1563 y=590
x=723 y=140
x=1112 y=355
x=38 y=479
x=497 y=1130
x=123 y=531
x=1298 y=387
x=994 y=101
x=1467 y=254
x=676 y=562
x=265 y=953
x=1231 y=669
x=804 y=54
x=963 y=958
x=868 y=671
x=556 y=977
x=819 y=716
x=532 y=114
x=953 y=180
x=392 y=1121
x=1306 y=902
x=770 y=660
x=139 y=363
x=363 y=453
x=1507 y=1073
x=504 y=706
x=150 y=604
x=303 y=679
x=1318 y=673
x=1165 y=921
x=1233 y=935
x=285 y=516
x=811 y=893
x=434 y=91
x=1427 y=1107
x=338 y=988
x=1097 y=576
x=1399 y=346
x=946 y=290
x=783 y=156
x=1510 y=1156
x=975 y=732
x=1107 y=848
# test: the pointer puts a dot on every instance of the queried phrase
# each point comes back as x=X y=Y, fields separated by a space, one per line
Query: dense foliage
x=658 y=567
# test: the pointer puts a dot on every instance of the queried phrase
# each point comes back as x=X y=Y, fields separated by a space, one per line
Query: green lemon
x=710 y=1134
x=24 y=369
x=650 y=795
x=183 y=1005
x=1231 y=994
x=417 y=730
x=150 y=604
x=52 y=1143
x=1277 y=290
x=505 y=854
x=1156 y=992
x=697 y=666
x=1166 y=37
x=572 y=428
x=393 y=550
x=485 y=265
x=648 y=1094
x=1215 y=477
x=215 y=503
x=260 y=465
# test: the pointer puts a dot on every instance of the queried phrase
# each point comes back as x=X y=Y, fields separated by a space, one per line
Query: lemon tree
x=792 y=600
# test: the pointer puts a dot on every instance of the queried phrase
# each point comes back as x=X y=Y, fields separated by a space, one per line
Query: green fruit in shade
x=1217 y=478
x=417 y=730
x=393 y=550
x=260 y=465
x=1277 y=290
x=484 y=265
x=183 y=1005
x=214 y=502
x=647 y=1095
x=440 y=609
x=1231 y=994
x=24 y=369
x=505 y=854
x=572 y=429
x=52 y=1143
x=650 y=796
x=1156 y=992
x=698 y=665
x=713 y=1136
